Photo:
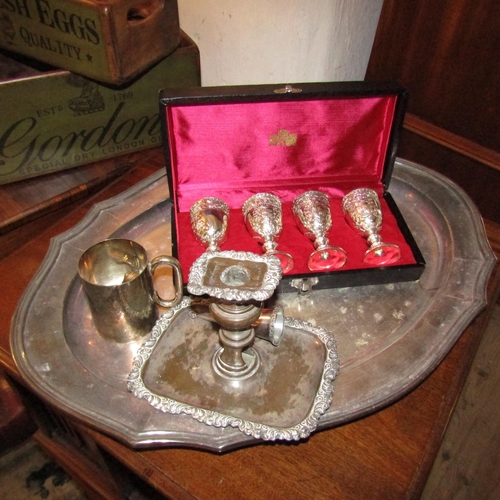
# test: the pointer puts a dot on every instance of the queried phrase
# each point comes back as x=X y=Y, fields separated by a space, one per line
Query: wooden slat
x=30 y=199
x=452 y=141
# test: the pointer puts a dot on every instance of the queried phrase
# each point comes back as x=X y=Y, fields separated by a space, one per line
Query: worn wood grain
x=31 y=206
x=468 y=462
x=32 y=198
x=451 y=141
x=446 y=54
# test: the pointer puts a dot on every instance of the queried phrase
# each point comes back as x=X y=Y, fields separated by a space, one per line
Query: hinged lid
x=292 y=137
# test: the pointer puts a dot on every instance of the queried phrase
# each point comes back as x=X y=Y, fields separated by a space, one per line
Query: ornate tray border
x=270 y=281
x=257 y=430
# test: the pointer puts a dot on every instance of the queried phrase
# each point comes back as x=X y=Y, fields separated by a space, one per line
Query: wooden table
x=386 y=455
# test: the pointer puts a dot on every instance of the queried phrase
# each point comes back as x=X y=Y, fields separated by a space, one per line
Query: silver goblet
x=209 y=219
x=312 y=214
x=364 y=214
x=263 y=218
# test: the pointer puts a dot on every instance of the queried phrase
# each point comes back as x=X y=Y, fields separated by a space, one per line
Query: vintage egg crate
x=53 y=119
x=110 y=41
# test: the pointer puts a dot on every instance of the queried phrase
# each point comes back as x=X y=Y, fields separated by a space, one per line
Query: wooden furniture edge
x=452 y=141
x=141 y=466
x=472 y=336
x=91 y=477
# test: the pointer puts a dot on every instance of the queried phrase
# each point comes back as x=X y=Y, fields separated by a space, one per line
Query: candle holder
x=241 y=281
x=205 y=358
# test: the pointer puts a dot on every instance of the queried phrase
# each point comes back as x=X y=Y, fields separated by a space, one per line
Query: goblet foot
x=382 y=254
x=286 y=260
x=327 y=258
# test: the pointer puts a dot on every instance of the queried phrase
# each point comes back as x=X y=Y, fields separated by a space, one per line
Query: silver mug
x=117 y=278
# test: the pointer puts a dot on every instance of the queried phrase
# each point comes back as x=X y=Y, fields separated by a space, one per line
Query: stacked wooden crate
x=79 y=81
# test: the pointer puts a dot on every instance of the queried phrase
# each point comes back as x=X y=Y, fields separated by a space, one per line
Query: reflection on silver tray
x=284 y=400
x=390 y=337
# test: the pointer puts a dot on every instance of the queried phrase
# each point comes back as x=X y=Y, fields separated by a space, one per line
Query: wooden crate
x=53 y=120
x=111 y=41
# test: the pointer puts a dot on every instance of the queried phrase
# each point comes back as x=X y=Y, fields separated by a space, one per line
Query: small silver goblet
x=364 y=214
x=209 y=219
x=312 y=214
x=264 y=221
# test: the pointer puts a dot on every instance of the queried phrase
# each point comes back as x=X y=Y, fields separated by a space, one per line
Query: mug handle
x=177 y=275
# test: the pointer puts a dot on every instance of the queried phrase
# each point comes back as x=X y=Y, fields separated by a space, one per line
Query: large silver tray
x=389 y=337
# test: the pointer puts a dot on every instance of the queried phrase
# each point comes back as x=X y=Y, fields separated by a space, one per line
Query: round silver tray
x=389 y=337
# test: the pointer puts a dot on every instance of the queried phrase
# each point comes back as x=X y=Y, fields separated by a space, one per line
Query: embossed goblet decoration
x=263 y=218
x=363 y=212
x=312 y=214
x=209 y=219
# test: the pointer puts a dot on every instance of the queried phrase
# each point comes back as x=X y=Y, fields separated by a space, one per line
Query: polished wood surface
x=457 y=143
x=446 y=54
x=15 y=422
x=29 y=199
x=386 y=455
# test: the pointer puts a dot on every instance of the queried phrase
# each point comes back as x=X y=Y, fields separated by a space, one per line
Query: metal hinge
x=304 y=285
x=288 y=89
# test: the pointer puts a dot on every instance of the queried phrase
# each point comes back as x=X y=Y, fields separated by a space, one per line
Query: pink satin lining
x=224 y=150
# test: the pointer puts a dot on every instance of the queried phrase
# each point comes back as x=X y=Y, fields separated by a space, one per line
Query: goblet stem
x=326 y=257
x=380 y=253
x=311 y=211
x=263 y=218
x=364 y=214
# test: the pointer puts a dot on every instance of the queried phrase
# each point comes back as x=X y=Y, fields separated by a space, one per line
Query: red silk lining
x=223 y=149
x=293 y=241
x=226 y=151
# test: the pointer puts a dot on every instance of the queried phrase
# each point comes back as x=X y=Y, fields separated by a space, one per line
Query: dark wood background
x=447 y=54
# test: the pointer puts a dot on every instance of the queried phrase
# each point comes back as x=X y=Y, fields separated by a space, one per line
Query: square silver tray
x=283 y=400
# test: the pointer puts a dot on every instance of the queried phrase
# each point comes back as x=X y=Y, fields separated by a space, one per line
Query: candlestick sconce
x=241 y=281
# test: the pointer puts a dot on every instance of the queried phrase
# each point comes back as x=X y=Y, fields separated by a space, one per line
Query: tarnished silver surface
x=239 y=279
x=231 y=275
x=209 y=219
x=264 y=220
x=172 y=372
x=311 y=211
x=117 y=278
x=389 y=337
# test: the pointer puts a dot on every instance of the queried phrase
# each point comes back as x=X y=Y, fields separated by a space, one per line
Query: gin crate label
x=59 y=120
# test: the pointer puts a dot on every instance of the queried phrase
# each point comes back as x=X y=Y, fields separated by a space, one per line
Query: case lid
x=232 y=142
